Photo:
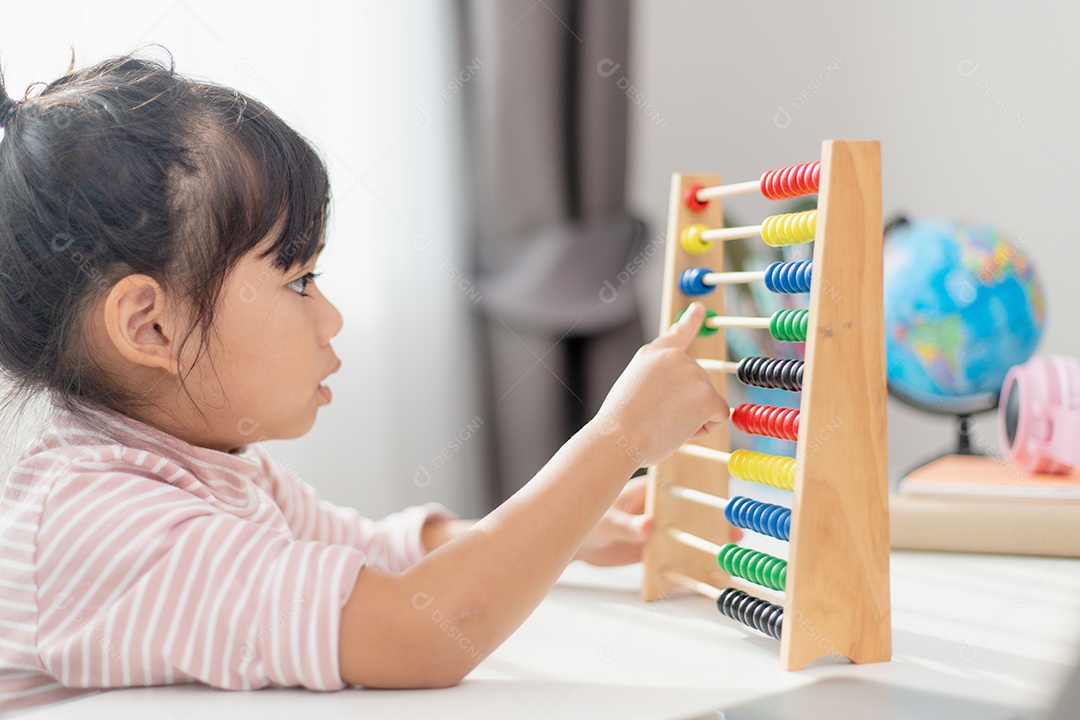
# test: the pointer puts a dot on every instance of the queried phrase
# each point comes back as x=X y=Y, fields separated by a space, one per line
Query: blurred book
x=966 y=475
x=964 y=503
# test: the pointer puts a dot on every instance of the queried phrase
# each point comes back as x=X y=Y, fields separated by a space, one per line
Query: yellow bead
x=789 y=229
x=775 y=470
x=692 y=242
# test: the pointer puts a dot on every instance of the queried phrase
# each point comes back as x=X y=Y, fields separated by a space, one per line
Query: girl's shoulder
x=55 y=462
x=121 y=451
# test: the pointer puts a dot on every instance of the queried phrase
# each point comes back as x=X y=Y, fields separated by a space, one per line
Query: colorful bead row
x=789 y=182
x=779 y=277
x=754 y=612
x=783 y=325
x=789 y=228
x=774 y=470
x=761 y=517
x=753 y=565
x=767 y=420
x=771 y=373
x=789 y=277
x=789 y=325
x=793 y=181
x=775 y=230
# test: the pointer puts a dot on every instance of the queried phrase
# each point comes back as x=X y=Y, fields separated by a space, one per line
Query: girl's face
x=272 y=351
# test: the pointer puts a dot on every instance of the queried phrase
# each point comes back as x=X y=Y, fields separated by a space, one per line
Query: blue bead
x=770 y=277
x=795 y=278
x=761 y=517
x=692 y=281
x=770 y=522
x=757 y=513
x=786 y=277
x=807 y=276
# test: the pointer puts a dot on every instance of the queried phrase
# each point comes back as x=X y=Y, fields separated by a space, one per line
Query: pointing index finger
x=683 y=331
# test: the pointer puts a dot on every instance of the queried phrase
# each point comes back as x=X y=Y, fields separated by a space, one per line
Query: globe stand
x=962 y=409
x=963 y=436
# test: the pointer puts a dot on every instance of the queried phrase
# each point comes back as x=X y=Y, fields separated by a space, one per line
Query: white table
x=991 y=628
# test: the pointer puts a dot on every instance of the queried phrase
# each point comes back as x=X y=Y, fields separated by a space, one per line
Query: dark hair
x=129 y=167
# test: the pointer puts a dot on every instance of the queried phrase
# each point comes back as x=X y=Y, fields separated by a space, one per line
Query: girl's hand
x=663 y=397
x=620 y=535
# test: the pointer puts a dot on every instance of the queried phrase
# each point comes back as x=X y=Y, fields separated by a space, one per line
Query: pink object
x=1039 y=414
x=129 y=557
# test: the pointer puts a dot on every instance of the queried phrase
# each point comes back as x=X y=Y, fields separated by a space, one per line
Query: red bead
x=768 y=420
x=791 y=181
x=692 y=202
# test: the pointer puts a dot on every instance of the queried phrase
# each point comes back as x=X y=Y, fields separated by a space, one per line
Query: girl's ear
x=138 y=325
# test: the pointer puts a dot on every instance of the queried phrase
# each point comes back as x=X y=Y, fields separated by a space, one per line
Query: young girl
x=157 y=243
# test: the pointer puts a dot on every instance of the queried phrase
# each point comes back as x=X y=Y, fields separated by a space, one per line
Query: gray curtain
x=546 y=122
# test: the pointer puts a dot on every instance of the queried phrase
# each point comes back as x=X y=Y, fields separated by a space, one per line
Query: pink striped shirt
x=129 y=557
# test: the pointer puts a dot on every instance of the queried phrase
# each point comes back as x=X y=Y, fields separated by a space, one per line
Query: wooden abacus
x=832 y=594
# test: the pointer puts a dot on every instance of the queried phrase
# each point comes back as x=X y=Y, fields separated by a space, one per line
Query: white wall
x=975 y=105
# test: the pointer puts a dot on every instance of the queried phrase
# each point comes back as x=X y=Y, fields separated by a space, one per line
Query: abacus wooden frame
x=837 y=593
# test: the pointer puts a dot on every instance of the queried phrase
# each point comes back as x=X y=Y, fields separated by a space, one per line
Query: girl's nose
x=331 y=321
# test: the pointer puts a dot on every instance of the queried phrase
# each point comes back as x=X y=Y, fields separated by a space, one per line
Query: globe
x=963 y=304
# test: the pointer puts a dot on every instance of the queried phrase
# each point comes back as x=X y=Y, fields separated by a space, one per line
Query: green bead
x=789 y=325
x=705 y=330
x=723 y=558
x=757 y=567
x=736 y=559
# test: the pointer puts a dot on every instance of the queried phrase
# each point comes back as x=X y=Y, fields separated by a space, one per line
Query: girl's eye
x=303 y=283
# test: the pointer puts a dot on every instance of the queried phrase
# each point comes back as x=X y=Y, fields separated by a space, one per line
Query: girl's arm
x=438 y=531
x=391 y=543
x=432 y=624
x=618 y=539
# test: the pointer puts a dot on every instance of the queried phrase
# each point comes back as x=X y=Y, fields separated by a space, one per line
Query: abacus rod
x=691 y=584
x=774 y=596
x=718 y=365
x=721 y=191
x=735 y=233
x=713 y=593
x=733 y=278
x=693 y=541
x=704 y=452
x=719 y=321
x=702 y=498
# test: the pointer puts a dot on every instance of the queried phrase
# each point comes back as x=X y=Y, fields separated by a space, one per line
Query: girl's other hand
x=619 y=537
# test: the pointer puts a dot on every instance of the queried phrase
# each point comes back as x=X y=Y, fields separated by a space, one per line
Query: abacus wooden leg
x=838 y=578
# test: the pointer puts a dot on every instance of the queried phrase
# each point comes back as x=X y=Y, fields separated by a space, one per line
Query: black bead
x=754 y=612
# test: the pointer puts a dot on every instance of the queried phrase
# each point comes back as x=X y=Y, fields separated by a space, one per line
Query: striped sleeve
x=393 y=543
x=141 y=583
